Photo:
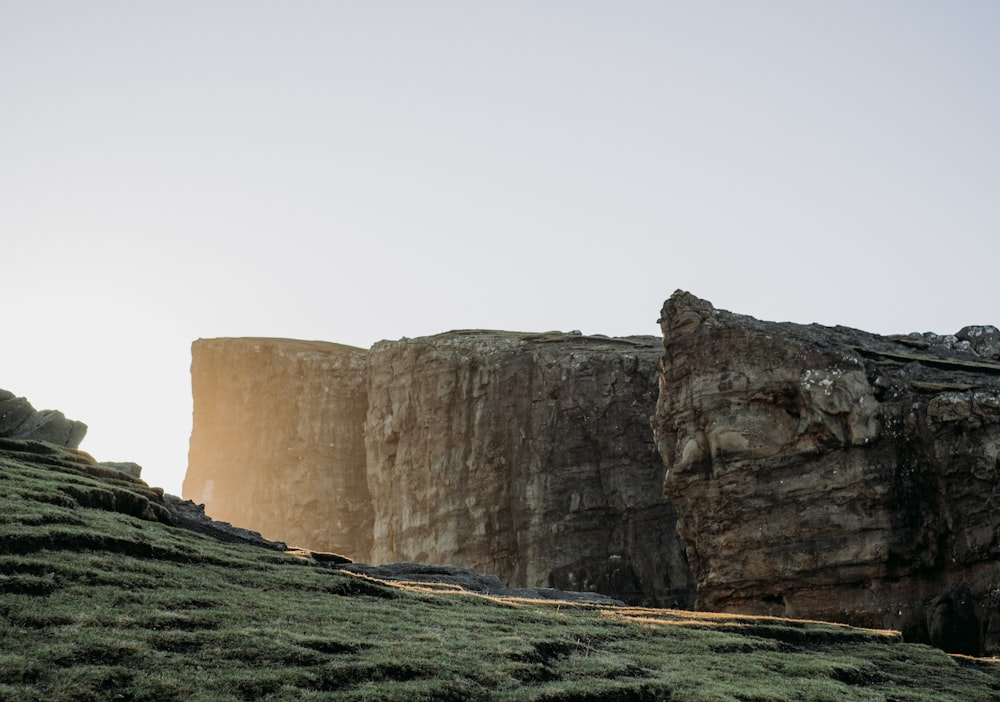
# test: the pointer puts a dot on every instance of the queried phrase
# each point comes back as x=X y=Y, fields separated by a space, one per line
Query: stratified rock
x=19 y=420
x=277 y=441
x=528 y=456
x=834 y=474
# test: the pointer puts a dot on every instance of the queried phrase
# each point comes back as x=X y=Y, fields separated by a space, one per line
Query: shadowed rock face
x=835 y=474
x=524 y=455
x=277 y=443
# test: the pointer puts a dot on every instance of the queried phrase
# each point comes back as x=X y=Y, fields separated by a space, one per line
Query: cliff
x=834 y=474
x=808 y=471
x=277 y=441
x=526 y=456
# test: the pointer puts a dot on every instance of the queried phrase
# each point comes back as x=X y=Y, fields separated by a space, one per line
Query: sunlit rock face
x=524 y=455
x=835 y=474
x=277 y=443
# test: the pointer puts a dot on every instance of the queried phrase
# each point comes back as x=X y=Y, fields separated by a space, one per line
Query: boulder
x=528 y=456
x=830 y=473
x=19 y=420
x=277 y=441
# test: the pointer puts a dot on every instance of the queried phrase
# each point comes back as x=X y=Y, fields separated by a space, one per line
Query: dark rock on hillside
x=19 y=420
x=524 y=455
x=187 y=515
x=834 y=474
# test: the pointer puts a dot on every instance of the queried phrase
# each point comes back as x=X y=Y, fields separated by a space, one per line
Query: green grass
x=101 y=599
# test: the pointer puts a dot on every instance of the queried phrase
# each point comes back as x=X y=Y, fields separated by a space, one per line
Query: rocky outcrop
x=277 y=443
x=188 y=515
x=19 y=420
x=525 y=456
x=528 y=456
x=834 y=474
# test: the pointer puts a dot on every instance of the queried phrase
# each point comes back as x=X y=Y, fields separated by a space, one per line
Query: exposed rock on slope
x=19 y=420
x=835 y=474
x=277 y=443
x=524 y=455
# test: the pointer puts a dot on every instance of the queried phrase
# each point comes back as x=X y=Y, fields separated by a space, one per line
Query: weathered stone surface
x=835 y=474
x=528 y=456
x=19 y=420
x=984 y=340
x=277 y=443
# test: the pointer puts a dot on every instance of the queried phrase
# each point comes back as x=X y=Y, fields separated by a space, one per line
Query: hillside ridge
x=101 y=597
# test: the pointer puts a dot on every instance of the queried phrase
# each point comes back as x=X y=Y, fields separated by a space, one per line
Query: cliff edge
x=830 y=473
x=277 y=442
x=526 y=456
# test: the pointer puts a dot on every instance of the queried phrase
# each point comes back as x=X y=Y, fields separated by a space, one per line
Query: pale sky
x=356 y=171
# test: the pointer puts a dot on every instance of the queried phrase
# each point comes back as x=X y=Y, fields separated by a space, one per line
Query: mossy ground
x=102 y=600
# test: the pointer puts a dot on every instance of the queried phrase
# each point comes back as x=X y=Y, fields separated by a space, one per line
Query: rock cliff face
x=834 y=474
x=524 y=455
x=278 y=444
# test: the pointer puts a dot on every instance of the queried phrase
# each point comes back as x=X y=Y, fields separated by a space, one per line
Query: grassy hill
x=101 y=598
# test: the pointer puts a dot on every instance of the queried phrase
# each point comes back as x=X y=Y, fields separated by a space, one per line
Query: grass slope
x=101 y=599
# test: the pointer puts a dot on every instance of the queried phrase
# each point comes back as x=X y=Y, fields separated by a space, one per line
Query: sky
x=355 y=171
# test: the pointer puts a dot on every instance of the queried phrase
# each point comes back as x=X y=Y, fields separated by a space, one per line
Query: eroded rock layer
x=834 y=474
x=277 y=443
x=524 y=455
